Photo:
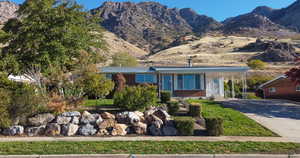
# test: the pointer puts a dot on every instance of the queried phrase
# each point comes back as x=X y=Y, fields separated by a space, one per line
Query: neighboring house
x=181 y=81
x=281 y=88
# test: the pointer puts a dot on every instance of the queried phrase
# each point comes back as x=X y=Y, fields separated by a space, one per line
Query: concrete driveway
x=280 y=116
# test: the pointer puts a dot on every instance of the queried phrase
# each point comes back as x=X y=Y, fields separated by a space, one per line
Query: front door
x=167 y=83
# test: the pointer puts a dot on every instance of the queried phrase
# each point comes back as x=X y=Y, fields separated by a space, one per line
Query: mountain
x=257 y=24
x=150 y=25
x=288 y=17
x=7 y=11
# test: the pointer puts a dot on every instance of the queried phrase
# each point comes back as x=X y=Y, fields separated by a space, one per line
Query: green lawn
x=146 y=147
x=100 y=102
x=235 y=123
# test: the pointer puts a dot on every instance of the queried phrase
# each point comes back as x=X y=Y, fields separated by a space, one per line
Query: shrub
x=124 y=59
x=136 y=98
x=256 y=80
x=252 y=96
x=185 y=126
x=165 y=97
x=195 y=110
x=5 y=101
x=26 y=101
x=214 y=126
x=57 y=103
x=257 y=64
x=173 y=107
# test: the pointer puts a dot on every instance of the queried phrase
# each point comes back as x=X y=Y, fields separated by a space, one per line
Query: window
x=272 y=90
x=145 y=78
x=298 y=88
x=190 y=82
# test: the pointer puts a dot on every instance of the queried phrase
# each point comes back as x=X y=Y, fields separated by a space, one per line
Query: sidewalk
x=155 y=156
x=150 y=138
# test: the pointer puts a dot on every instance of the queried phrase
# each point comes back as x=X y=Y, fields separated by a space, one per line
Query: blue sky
x=218 y=9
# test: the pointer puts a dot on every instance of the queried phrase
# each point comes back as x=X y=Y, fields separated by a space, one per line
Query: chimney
x=190 y=62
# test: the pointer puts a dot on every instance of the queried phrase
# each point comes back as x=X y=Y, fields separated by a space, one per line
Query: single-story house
x=181 y=81
x=281 y=87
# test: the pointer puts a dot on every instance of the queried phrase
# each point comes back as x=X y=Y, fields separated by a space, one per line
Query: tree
x=96 y=85
x=257 y=64
x=294 y=73
x=123 y=60
x=48 y=34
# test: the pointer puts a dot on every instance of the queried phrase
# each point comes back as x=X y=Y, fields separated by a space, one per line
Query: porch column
x=158 y=84
x=232 y=87
x=244 y=77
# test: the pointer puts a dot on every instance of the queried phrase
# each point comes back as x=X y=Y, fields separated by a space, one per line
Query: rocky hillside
x=7 y=11
x=150 y=25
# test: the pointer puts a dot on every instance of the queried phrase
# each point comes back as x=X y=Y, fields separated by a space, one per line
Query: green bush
x=195 y=110
x=252 y=96
x=136 y=98
x=26 y=101
x=5 y=101
x=173 y=107
x=214 y=126
x=165 y=97
x=256 y=80
x=257 y=64
x=185 y=126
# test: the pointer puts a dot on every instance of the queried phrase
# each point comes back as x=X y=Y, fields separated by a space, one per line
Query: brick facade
x=284 y=89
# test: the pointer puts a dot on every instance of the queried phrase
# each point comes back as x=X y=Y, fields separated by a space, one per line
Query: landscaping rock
x=128 y=118
x=119 y=130
x=87 y=118
x=61 y=120
x=87 y=130
x=75 y=120
x=103 y=132
x=154 y=120
x=35 y=131
x=140 y=128
x=69 y=129
x=107 y=115
x=169 y=131
x=162 y=114
x=71 y=114
x=141 y=115
x=41 y=119
x=154 y=131
x=13 y=131
x=105 y=124
x=52 y=129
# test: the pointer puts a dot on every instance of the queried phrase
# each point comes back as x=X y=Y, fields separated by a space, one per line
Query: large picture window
x=145 y=78
x=190 y=82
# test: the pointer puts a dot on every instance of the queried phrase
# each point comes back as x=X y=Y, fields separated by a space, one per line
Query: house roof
x=271 y=81
x=200 y=69
x=172 y=69
x=126 y=70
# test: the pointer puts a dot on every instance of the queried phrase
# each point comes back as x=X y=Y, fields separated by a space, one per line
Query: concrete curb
x=155 y=156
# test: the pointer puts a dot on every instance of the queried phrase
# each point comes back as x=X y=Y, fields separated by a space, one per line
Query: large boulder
x=140 y=128
x=41 y=119
x=169 y=131
x=154 y=120
x=62 y=120
x=87 y=118
x=119 y=130
x=35 y=131
x=69 y=129
x=103 y=132
x=52 y=129
x=13 y=131
x=128 y=118
x=75 y=120
x=71 y=114
x=162 y=114
x=87 y=130
x=154 y=131
x=106 y=124
x=107 y=115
